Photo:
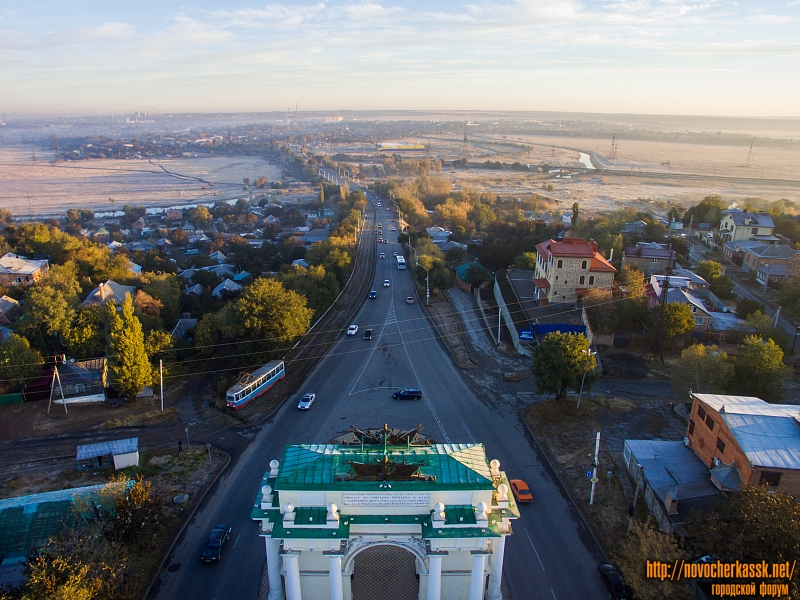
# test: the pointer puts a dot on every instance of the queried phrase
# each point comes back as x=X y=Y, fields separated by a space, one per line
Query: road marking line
x=237 y=540
x=554 y=594
x=377 y=344
x=534 y=549
x=469 y=433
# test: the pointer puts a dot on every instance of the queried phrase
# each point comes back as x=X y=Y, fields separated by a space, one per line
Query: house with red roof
x=566 y=270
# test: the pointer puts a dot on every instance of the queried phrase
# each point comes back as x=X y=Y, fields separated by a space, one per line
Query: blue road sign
x=588 y=474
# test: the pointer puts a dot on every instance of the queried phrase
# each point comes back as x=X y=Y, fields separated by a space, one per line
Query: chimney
x=101 y=289
x=671 y=503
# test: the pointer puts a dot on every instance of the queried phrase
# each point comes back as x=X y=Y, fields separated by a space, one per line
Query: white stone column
x=476 y=579
x=335 y=575
x=274 y=569
x=434 y=577
x=496 y=576
x=292 y=564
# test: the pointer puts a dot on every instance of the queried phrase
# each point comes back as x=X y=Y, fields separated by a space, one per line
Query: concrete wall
x=512 y=330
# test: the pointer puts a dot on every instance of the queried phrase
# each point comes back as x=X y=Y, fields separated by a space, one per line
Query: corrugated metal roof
x=56 y=496
x=668 y=464
x=108 y=448
x=748 y=405
x=768 y=441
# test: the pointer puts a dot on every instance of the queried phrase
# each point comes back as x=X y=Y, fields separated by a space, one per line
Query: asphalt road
x=551 y=555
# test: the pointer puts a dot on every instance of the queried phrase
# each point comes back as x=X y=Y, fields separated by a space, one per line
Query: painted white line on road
x=554 y=594
x=377 y=344
x=237 y=540
x=534 y=549
x=469 y=433
x=380 y=387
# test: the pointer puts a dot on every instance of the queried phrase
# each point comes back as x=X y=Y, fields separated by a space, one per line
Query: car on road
x=373 y=294
x=383 y=255
x=395 y=253
x=386 y=283
x=306 y=401
x=394 y=228
x=352 y=330
x=385 y=241
x=521 y=491
x=408 y=394
x=212 y=551
x=612 y=578
x=368 y=334
x=409 y=300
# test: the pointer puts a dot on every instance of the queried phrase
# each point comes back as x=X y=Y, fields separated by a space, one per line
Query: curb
x=189 y=517
x=544 y=453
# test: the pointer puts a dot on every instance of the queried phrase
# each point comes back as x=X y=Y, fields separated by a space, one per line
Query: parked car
x=617 y=589
x=521 y=491
x=408 y=394
x=409 y=300
x=352 y=330
x=395 y=253
x=373 y=294
x=212 y=551
x=386 y=283
x=368 y=334
x=383 y=255
x=306 y=401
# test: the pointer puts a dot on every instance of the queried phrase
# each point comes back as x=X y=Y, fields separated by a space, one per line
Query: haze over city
x=653 y=57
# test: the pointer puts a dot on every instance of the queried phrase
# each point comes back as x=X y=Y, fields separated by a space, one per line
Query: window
x=698 y=320
x=771 y=478
x=720 y=446
x=69 y=389
x=79 y=388
x=701 y=413
x=710 y=422
x=583 y=280
x=560 y=264
x=655 y=260
x=583 y=265
x=754 y=231
x=691 y=427
x=591 y=279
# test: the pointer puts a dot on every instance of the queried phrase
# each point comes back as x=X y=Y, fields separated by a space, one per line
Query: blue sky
x=641 y=56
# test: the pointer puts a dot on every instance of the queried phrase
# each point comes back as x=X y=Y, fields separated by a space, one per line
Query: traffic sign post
x=594 y=471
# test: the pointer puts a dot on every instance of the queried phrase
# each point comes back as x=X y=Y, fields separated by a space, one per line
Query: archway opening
x=385 y=572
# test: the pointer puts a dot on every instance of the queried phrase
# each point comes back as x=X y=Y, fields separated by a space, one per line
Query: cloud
x=270 y=15
x=113 y=30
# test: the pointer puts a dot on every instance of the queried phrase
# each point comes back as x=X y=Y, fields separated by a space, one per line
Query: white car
x=383 y=255
x=352 y=330
x=386 y=283
x=306 y=401
x=394 y=228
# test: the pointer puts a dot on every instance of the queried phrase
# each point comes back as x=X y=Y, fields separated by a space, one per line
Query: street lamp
x=589 y=354
x=427 y=288
x=796 y=333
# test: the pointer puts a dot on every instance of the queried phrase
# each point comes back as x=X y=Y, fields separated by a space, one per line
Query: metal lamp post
x=589 y=354
x=427 y=287
x=796 y=333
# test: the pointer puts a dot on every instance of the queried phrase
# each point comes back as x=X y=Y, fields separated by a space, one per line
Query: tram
x=252 y=385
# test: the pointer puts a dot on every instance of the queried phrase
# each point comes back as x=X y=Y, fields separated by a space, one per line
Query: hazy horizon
x=645 y=57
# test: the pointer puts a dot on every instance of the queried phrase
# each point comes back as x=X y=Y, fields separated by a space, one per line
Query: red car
x=521 y=491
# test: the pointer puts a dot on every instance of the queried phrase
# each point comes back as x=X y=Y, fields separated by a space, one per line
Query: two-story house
x=18 y=270
x=740 y=225
x=650 y=258
x=767 y=256
x=747 y=439
x=566 y=270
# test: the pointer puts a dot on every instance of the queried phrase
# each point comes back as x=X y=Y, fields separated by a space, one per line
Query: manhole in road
x=173 y=568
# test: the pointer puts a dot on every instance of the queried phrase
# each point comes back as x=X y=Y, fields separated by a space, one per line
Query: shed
x=124 y=452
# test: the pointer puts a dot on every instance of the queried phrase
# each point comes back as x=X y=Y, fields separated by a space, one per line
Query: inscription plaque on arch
x=385 y=499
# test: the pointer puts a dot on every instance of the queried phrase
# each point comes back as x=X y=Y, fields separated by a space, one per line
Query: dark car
x=368 y=334
x=617 y=589
x=408 y=394
x=216 y=540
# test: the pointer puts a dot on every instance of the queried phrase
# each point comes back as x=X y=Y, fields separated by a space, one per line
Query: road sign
x=595 y=480
x=588 y=474
x=526 y=335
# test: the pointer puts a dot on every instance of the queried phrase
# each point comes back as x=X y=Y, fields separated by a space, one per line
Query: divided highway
x=550 y=555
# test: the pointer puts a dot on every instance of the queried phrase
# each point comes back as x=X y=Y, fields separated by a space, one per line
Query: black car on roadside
x=212 y=551
x=617 y=588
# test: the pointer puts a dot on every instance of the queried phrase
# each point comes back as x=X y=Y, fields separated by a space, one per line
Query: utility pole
x=661 y=313
x=210 y=464
x=187 y=438
x=499 y=315
x=161 y=375
x=594 y=472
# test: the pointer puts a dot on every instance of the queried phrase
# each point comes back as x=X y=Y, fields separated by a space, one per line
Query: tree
x=647 y=540
x=476 y=275
x=723 y=287
x=746 y=307
x=759 y=370
x=137 y=516
x=708 y=211
x=632 y=279
x=165 y=288
x=87 y=336
x=19 y=363
x=200 y=217
x=757 y=523
x=709 y=270
x=560 y=362
x=526 y=260
x=701 y=369
x=678 y=320
x=128 y=367
x=762 y=325
x=601 y=310
x=575 y=213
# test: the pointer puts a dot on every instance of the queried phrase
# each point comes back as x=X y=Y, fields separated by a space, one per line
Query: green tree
x=757 y=523
x=701 y=369
x=709 y=270
x=746 y=307
x=678 y=320
x=723 y=287
x=647 y=540
x=137 y=517
x=601 y=310
x=560 y=362
x=633 y=280
x=87 y=336
x=762 y=325
x=526 y=260
x=575 y=213
x=759 y=370
x=200 y=217
x=708 y=211
x=165 y=288
x=19 y=363
x=128 y=367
